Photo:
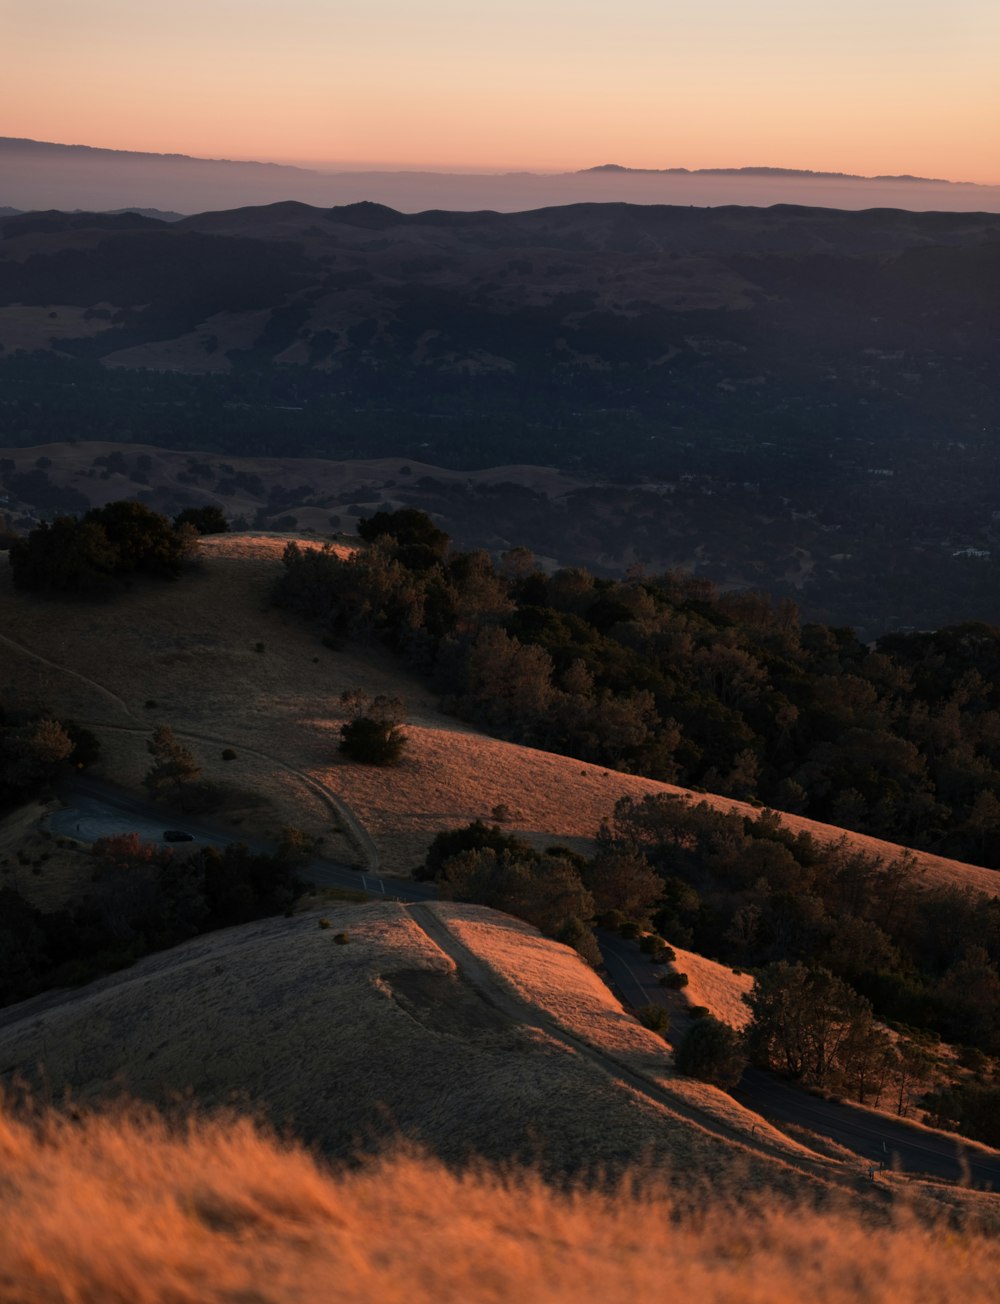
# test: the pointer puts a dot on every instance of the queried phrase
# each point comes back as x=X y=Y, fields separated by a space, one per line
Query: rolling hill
x=188 y=656
x=800 y=399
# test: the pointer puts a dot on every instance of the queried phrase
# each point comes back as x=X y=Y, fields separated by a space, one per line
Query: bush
x=476 y=836
x=206 y=520
x=611 y=919
x=630 y=929
x=712 y=1052
x=372 y=742
x=325 y=923
x=674 y=981
x=654 y=1017
x=229 y=754
x=650 y=944
x=341 y=938
x=699 y=1012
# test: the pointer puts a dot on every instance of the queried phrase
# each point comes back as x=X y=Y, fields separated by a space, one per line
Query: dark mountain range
x=808 y=397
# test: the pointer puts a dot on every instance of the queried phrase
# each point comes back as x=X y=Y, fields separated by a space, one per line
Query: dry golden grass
x=716 y=987
x=357 y=1044
x=555 y=984
x=191 y=648
x=127 y=1209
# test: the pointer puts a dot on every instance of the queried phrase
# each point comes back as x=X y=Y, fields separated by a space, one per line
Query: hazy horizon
x=545 y=85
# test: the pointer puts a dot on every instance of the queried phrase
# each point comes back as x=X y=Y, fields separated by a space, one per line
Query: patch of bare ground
x=127 y=1209
x=357 y=1042
x=219 y=663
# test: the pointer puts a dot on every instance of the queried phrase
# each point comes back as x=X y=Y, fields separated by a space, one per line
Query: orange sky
x=869 y=86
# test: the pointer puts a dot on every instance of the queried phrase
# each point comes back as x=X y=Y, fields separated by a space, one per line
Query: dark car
x=177 y=835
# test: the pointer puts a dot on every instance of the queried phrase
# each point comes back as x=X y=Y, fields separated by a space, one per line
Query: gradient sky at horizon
x=869 y=86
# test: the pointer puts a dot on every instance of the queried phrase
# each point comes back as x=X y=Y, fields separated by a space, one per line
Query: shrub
x=476 y=836
x=654 y=1017
x=325 y=923
x=372 y=742
x=630 y=929
x=651 y=943
x=341 y=939
x=699 y=1011
x=674 y=981
x=229 y=754
x=206 y=520
x=712 y=1052
x=611 y=919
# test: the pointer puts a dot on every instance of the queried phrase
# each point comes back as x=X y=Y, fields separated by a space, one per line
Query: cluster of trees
x=753 y=894
x=663 y=676
x=141 y=898
x=98 y=552
x=34 y=747
x=557 y=890
x=838 y=942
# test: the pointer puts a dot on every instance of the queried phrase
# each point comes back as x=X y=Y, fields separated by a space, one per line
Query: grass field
x=126 y=1209
x=355 y=1044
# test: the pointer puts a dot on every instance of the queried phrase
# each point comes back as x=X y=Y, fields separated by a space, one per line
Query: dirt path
x=484 y=981
x=339 y=808
x=65 y=670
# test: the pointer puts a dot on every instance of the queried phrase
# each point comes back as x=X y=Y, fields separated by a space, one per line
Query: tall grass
x=129 y=1208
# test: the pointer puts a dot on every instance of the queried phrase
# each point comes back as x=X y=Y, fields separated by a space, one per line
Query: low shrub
x=654 y=1017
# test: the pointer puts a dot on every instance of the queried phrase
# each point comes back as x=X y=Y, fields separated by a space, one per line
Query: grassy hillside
x=125 y=1209
x=355 y=1043
x=192 y=651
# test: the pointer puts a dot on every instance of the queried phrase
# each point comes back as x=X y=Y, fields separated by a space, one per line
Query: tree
x=470 y=837
x=206 y=520
x=373 y=736
x=173 y=765
x=623 y=880
x=712 y=1052
x=806 y=1022
x=419 y=542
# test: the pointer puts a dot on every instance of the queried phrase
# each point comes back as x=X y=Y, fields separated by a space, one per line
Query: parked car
x=177 y=835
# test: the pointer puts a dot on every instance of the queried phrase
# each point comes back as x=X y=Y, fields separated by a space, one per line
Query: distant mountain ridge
x=774 y=172
x=44 y=175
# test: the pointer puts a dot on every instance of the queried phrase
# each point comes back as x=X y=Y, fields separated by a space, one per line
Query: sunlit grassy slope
x=124 y=1209
x=218 y=663
x=356 y=1042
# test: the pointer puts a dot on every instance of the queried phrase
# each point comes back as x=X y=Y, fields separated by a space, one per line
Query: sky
x=865 y=86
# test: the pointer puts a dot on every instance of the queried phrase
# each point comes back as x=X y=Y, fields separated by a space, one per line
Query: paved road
x=876 y=1137
x=95 y=809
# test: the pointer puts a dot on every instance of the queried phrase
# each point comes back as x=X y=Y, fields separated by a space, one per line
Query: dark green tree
x=712 y=1052
x=173 y=765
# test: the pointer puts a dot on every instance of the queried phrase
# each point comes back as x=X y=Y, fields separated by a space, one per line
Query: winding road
x=95 y=808
x=877 y=1138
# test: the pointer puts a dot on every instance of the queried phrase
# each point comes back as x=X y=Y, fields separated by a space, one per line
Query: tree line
x=103 y=550
x=858 y=966
x=664 y=676
x=140 y=898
